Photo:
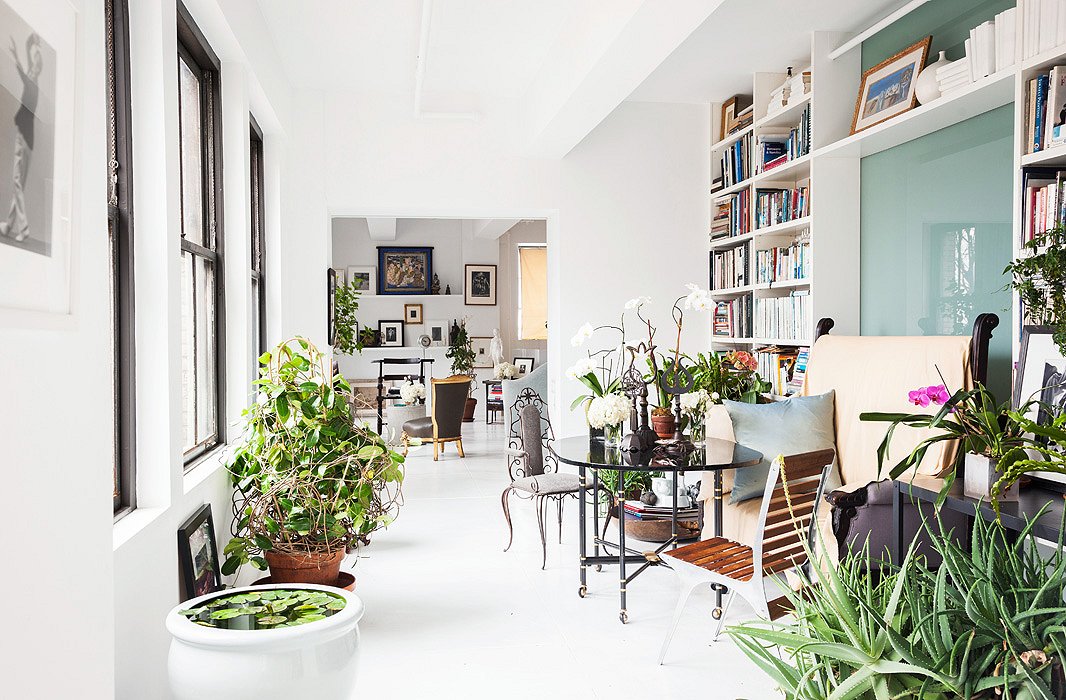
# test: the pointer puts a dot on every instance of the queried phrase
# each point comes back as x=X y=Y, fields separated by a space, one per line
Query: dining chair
x=444 y=423
x=787 y=522
x=534 y=470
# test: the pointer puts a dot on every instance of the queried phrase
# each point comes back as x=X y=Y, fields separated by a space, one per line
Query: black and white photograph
x=438 y=333
x=198 y=555
x=482 y=347
x=1041 y=375
x=524 y=365
x=391 y=333
x=480 y=285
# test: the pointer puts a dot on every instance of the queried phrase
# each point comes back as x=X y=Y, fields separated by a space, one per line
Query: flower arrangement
x=411 y=392
x=505 y=370
x=731 y=376
x=695 y=403
x=609 y=410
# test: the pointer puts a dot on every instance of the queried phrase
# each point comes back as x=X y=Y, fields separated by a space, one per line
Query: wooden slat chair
x=787 y=519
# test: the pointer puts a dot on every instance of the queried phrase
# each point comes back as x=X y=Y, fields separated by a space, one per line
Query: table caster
x=599 y=567
x=623 y=616
x=582 y=591
x=716 y=613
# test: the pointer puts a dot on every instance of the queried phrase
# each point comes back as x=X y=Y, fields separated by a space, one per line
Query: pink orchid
x=918 y=397
x=938 y=394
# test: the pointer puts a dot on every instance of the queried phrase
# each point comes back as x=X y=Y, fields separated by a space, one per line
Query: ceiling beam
x=381 y=229
x=421 y=61
x=492 y=229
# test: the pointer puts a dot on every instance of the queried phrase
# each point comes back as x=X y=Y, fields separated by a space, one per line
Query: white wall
x=522 y=233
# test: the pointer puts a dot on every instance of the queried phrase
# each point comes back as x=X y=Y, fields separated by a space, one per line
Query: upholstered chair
x=444 y=424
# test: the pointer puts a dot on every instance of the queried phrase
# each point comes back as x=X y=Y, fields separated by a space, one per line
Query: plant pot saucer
x=345 y=581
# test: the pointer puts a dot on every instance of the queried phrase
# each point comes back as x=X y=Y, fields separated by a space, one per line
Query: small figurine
x=435 y=287
x=496 y=347
x=448 y=290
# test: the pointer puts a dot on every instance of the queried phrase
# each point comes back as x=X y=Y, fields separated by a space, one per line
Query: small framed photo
x=729 y=114
x=524 y=365
x=1041 y=375
x=887 y=89
x=438 y=333
x=391 y=334
x=341 y=275
x=412 y=314
x=364 y=278
x=482 y=352
x=405 y=270
x=480 y=285
x=198 y=555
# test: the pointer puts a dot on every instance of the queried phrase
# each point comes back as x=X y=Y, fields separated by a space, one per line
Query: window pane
x=533 y=302
x=188 y=366
x=256 y=323
x=205 y=350
x=192 y=207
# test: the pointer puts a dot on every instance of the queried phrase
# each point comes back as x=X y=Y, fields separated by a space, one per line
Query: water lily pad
x=270 y=620
x=335 y=605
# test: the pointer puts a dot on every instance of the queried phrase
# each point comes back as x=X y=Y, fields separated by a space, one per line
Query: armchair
x=445 y=422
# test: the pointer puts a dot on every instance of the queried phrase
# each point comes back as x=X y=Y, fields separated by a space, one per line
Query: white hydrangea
x=637 y=303
x=610 y=409
x=583 y=366
x=583 y=334
x=505 y=370
x=695 y=403
x=697 y=299
x=411 y=392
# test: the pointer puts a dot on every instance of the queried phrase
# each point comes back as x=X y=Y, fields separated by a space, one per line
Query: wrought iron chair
x=788 y=517
x=534 y=470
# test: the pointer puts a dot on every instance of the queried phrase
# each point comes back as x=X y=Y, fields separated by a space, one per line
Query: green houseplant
x=1039 y=278
x=461 y=353
x=310 y=482
x=346 y=339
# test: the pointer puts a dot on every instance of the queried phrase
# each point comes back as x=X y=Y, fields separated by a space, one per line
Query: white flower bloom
x=583 y=334
x=715 y=397
x=610 y=409
x=697 y=299
x=695 y=403
x=505 y=370
x=583 y=366
x=411 y=392
x=637 y=303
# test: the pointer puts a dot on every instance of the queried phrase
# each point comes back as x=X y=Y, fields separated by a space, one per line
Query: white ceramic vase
x=926 y=87
x=315 y=660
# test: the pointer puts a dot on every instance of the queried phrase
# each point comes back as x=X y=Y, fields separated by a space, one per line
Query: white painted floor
x=449 y=614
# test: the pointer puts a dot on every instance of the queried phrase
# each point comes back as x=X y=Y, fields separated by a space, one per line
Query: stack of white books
x=798 y=86
x=953 y=76
x=981 y=50
x=1040 y=26
x=1007 y=48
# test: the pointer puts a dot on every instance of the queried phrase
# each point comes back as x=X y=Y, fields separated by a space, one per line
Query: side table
x=397 y=415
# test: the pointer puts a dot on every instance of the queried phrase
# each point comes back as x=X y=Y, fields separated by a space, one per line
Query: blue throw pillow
x=788 y=427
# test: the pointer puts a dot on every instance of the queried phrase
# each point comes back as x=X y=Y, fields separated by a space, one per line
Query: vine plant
x=1039 y=277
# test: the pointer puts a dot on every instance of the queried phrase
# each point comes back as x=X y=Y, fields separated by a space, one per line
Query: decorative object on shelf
x=634 y=385
x=425 y=341
x=278 y=626
x=369 y=338
x=609 y=412
x=363 y=278
x=1039 y=278
x=438 y=333
x=482 y=346
x=413 y=392
x=480 y=289
x=412 y=314
x=405 y=269
x=448 y=290
x=434 y=288
x=524 y=365
x=887 y=89
x=346 y=336
x=391 y=333
x=729 y=112
x=649 y=498
x=505 y=370
x=198 y=555
x=496 y=347
x=302 y=451
x=927 y=87
x=737 y=114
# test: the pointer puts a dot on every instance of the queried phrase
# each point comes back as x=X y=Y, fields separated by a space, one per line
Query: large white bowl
x=317 y=660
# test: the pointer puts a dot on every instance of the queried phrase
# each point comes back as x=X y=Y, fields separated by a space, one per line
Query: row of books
x=774 y=149
x=732 y=215
x=1044 y=201
x=729 y=268
x=778 y=205
x=775 y=366
x=786 y=318
x=736 y=161
x=1039 y=26
x=992 y=45
x=660 y=511
x=732 y=318
x=1045 y=110
x=792 y=262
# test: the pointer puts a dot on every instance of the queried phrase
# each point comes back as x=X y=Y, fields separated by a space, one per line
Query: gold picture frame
x=412 y=314
x=729 y=115
x=887 y=89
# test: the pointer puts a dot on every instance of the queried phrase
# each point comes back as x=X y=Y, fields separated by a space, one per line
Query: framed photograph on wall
x=364 y=279
x=198 y=555
x=524 y=365
x=1041 y=375
x=438 y=333
x=405 y=270
x=887 y=89
x=391 y=334
x=482 y=352
x=412 y=314
x=480 y=288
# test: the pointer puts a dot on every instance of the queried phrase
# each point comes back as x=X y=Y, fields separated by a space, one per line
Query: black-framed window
x=120 y=235
x=258 y=245
x=202 y=300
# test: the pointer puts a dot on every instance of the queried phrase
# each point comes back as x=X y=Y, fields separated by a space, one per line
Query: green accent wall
x=936 y=212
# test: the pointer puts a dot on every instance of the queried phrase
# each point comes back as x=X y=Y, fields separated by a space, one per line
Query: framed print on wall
x=1041 y=375
x=480 y=287
x=412 y=314
x=198 y=555
x=405 y=270
x=524 y=365
x=482 y=352
x=438 y=333
x=887 y=89
x=391 y=334
x=364 y=279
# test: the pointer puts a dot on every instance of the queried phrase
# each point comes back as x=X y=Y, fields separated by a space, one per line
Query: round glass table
x=585 y=454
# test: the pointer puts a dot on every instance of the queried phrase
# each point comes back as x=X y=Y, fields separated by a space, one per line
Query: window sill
x=131 y=524
x=204 y=468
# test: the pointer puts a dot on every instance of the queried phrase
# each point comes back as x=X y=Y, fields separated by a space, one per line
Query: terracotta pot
x=663 y=426
x=468 y=413
x=321 y=568
x=345 y=581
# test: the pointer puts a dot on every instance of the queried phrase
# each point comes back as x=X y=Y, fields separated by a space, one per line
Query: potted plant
x=1039 y=278
x=311 y=483
x=461 y=353
x=254 y=642
x=347 y=338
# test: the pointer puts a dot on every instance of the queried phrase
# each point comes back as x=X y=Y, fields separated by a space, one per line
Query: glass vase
x=697 y=431
x=612 y=435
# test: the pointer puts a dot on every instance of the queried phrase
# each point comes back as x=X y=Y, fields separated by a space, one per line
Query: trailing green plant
x=1039 y=278
x=308 y=478
x=272 y=608
x=1045 y=453
x=989 y=622
x=347 y=339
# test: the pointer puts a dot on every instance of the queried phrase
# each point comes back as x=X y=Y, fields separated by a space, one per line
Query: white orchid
x=697 y=299
x=695 y=403
x=610 y=409
x=583 y=334
x=411 y=392
x=582 y=367
x=637 y=303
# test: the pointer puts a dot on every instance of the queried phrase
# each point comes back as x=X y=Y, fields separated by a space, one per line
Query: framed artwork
x=331 y=311
x=482 y=352
x=37 y=90
x=363 y=277
x=391 y=334
x=198 y=555
x=480 y=285
x=438 y=333
x=524 y=365
x=887 y=89
x=729 y=114
x=412 y=314
x=1041 y=375
x=341 y=276
x=405 y=270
